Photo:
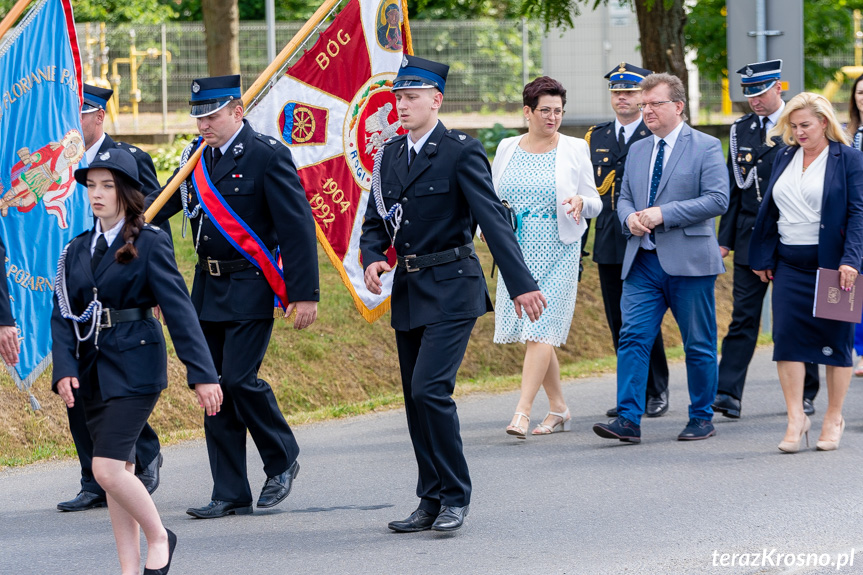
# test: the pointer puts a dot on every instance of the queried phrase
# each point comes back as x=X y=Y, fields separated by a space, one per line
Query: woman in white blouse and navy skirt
x=811 y=217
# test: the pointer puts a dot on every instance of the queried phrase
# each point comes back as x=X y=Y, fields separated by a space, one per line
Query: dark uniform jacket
x=130 y=358
x=146 y=169
x=735 y=227
x=446 y=192
x=258 y=180
x=608 y=160
x=5 y=304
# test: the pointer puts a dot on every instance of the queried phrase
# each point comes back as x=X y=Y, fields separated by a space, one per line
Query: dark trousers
x=612 y=290
x=429 y=358
x=740 y=342
x=238 y=348
x=146 y=448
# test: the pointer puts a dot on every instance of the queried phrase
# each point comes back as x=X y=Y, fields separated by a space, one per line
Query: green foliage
x=167 y=159
x=138 y=11
x=827 y=28
x=462 y=9
x=491 y=137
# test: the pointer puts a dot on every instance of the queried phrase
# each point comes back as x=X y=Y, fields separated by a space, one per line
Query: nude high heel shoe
x=565 y=424
x=794 y=446
x=831 y=445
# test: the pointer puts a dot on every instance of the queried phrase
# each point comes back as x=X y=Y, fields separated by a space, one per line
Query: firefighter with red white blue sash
x=248 y=210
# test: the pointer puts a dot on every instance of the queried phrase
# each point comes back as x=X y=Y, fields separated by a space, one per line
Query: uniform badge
x=238 y=149
x=602 y=150
x=828 y=351
x=272 y=141
x=605 y=159
x=748 y=157
x=404 y=61
x=462 y=137
x=749 y=72
x=642 y=133
x=196 y=87
x=133 y=150
x=753 y=126
x=105 y=157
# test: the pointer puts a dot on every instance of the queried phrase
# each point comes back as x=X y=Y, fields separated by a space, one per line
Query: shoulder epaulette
x=269 y=140
x=152 y=228
x=457 y=135
x=742 y=118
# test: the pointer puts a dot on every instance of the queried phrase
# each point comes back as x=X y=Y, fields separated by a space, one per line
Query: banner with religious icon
x=41 y=205
x=334 y=109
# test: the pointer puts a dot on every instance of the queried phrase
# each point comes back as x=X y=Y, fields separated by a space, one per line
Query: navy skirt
x=797 y=335
x=115 y=424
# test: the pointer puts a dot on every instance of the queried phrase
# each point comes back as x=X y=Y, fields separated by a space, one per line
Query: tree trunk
x=660 y=23
x=222 y=30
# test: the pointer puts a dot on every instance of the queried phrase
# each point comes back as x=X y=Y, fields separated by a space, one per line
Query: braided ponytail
x=132 y=201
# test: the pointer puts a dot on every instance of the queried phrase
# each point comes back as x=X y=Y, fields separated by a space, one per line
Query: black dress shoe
x=808 y=406
x=657 y=406
x=450 y=518
x=83 y=501
x=419 y=520
x=611 y=412
x=697 y=429
x=619 y=428
x=277 y=488
x=172 y=544
x=217 y=509
x=149 y=476
x=727 y=405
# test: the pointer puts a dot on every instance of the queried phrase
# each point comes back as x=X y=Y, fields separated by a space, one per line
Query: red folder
x=833 y=302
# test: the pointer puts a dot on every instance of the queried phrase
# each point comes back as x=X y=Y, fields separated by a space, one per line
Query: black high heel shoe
x=172 y=544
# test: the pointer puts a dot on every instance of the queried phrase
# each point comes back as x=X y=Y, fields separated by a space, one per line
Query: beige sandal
x=517 y=430
x=565 y=424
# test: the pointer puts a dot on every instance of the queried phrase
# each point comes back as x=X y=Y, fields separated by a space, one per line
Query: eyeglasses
x=654 y=105
x=549 y=112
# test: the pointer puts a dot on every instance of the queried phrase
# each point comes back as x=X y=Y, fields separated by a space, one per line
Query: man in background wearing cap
x=147 y=450
x=750 y=162
x=609 y=144
x=442 y=181
x=254 y=176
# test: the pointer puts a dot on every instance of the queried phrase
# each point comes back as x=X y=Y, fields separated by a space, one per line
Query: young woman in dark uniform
x=114 y=351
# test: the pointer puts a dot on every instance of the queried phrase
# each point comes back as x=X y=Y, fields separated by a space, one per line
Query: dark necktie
x=413 y=157
x=656 y=178
x=98 y=252
x=763 y=129
x=621 y=138
x=216 y=156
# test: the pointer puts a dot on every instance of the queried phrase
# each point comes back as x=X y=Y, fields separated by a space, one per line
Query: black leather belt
x=653 y=251
x=111 y=317
x=219 y=267
x=413 y=262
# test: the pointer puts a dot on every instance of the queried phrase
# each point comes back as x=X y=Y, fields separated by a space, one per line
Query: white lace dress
x=528 y=184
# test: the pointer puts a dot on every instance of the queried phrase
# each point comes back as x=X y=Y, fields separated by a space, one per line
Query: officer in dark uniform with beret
x=750 y=162
x=609 y=144
x=253 y=177
x=147 y=449
x=434 y=187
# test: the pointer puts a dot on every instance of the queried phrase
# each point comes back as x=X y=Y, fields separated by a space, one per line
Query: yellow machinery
x=134 y=62
x=90 y=76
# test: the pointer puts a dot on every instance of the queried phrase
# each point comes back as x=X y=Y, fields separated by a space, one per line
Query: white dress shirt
x=420 y=143
x=110 y=235
x=798 y=195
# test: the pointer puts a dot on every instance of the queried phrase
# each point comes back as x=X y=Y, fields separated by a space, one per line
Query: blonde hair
x=820 y=107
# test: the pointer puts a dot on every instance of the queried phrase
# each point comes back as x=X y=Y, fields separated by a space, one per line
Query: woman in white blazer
x=547 y=179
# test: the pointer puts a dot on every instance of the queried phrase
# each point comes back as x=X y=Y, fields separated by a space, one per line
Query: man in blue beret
x=435 y=186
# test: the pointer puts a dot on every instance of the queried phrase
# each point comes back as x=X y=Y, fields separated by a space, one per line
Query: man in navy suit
x=442 y=181
x=674 y=186
x=148 y=454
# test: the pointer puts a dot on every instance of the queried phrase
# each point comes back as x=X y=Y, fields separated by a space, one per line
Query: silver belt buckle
x=408 y=260
x=213 y=267
x=106 y=315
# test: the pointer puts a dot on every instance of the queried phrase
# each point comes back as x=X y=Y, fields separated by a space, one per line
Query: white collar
x=110 y=235
x=94 y=149
x=671 y=138
x=224 y=148
x=420 y=143
x=628 y=129
x=773 y=118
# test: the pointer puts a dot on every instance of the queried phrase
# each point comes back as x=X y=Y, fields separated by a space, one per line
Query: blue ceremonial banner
x=41 y=205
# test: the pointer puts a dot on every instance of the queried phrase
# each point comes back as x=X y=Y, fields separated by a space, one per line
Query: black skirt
x=115 y=424
x=797 y=335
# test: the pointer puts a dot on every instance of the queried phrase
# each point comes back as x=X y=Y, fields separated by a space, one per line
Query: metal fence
x=487 y=58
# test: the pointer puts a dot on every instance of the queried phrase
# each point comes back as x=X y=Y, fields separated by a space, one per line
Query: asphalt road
x=570 y=503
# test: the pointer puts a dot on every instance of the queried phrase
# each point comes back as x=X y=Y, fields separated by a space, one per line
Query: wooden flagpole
x=12 y=17
x=248 y=97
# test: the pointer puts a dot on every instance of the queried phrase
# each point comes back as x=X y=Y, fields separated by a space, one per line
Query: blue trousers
x=648 y=292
